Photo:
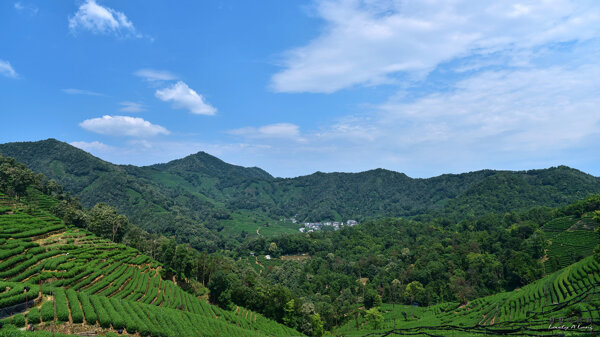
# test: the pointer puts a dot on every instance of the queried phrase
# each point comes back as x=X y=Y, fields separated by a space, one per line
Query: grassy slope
x=124 y=287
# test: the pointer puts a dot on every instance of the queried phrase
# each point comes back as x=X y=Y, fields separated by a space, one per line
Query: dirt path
x=257 y=233
x=545 y=257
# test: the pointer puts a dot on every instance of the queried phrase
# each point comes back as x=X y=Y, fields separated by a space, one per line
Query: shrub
x=18 y=320
x=88 y=309
x=117 y=319
x=33 y=317
x=76 y=313
x=47 y=312
x=62 y=309
x=103 y=317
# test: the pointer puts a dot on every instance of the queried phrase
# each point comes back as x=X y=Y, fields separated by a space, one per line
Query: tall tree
x=413 y=289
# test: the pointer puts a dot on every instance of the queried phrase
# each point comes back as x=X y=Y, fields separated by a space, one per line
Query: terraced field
x=66 y=279
x=567 y=301
x=569 y=239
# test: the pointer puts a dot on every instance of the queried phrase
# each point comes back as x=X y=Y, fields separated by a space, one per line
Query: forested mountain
x=319 y=280
x=192 y=198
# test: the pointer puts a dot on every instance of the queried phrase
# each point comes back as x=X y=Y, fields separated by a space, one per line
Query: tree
x=288 y=316
x=317 y=326
x=396 y=284
x=220 y=287
x=374 y=317
x=15 y=177
x=182 y=261
x=106 y=222
x=167 y=252
x=71 y=214
x=461 y=288
x=413 y=289
x=371 y=299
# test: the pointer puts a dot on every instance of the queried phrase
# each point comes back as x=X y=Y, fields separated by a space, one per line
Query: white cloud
x=277 y=130
x=370 y=42
x=7 y=70
x=94 y=146
x=511 y=119
x=123 y=126
x=72 y=91
x=184 y=97
x=155 y=75
x=509 y=111
x=30 y=9
x=101 y=20
x=131 y=107
x=500 y=119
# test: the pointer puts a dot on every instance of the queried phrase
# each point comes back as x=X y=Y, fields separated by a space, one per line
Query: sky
x=422 y=87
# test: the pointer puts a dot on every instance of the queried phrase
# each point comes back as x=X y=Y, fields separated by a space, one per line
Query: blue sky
x=421 y=87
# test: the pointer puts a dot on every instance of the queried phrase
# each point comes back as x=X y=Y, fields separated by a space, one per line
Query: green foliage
x=90 y=314
x=18 y=320
x=74 y=258
x=177 y=196
x=459 y=243
x=220 y=287
x=62 y=309
x=76 y=312
x=33 y=316
x=15 y=177
x=317 y=325
x=413 y=290
x=374 y=317
x=288 y=316
x=371 y=299
x=47 y=311
x=106 y=222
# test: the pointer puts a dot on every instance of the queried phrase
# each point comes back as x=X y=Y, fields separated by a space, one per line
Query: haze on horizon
x=295 y=87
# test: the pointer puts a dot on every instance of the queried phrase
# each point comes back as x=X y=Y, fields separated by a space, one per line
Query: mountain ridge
x=207 y=195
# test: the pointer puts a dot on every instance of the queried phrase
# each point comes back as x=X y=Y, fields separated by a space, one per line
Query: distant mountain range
x=195 y=194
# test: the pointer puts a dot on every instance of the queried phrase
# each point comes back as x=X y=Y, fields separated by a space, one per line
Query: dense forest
x=194 y=198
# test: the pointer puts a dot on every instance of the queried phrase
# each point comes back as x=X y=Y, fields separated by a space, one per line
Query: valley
x=508 y=253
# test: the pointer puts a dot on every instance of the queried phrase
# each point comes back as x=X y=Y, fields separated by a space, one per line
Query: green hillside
x=68 y=280
x=222 y=201
x=567 y=301
x=465 y=236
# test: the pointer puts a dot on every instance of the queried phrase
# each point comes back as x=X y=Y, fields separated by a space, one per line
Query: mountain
x=205 y=164
x=200 y=195
x=312 y=281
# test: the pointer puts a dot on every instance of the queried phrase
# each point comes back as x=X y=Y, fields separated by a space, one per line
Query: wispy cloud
x=7 y=70
x=273 y=131
x=131 y=107
x=72 y=91
x=155 y=75
x=26 y=8
x=102 y=20
x=369 y=42
x=123 y=126
x=94 y=146
x=183 y=97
